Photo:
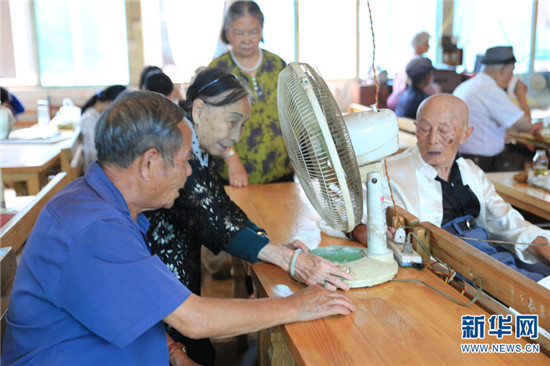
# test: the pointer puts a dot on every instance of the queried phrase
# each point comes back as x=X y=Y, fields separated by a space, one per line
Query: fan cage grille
x=307 y=147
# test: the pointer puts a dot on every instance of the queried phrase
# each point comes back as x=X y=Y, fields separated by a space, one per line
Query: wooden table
x=407 y=133
x=541 y=141
x=395 y=323
x=31 y=162
x=522 y=195
x=407 y=124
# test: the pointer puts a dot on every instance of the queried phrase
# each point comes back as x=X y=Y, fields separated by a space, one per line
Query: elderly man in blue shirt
x=88 y=291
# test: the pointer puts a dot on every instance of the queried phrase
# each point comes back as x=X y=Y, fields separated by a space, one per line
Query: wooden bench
x=73 y=162
x=15 y=233
x=8 y=266
x=500 y=282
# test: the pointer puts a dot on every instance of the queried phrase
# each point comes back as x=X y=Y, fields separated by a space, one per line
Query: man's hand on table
x=316 y=302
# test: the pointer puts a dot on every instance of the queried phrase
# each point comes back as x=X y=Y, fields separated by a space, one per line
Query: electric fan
x=331 y=173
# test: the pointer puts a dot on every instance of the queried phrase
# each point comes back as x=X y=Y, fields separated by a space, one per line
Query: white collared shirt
x=491 y=113
x=416 y=190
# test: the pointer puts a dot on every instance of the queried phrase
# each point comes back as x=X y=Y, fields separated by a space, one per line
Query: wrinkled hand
x=297 y=244
x=536 y=127
x=314 y=270
x=180 y=358
x=542 y=251
x=237 y=174
x=316 y=302
x=360 y=233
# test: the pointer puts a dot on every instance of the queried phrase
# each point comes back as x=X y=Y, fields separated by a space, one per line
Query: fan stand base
x=371 y=270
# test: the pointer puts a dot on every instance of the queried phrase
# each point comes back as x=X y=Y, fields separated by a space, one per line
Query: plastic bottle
x=540 y=163
x=43 y=112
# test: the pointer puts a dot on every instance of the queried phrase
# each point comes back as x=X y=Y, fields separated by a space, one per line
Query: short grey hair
x=238 y=10
x=420 y=38
x=134 y=123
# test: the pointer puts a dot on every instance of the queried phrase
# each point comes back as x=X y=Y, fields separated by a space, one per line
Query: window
x=327 y=37
x=279 y=39
x=180 y=36
x=82 y=42
x=484 y=24
x=395 y=24
x=179 y=41
x=542 y=42
x=85 y=42
x=17 y=66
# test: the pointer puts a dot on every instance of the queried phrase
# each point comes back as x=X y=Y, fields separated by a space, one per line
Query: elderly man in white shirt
x=434 y=183
x=492 y=112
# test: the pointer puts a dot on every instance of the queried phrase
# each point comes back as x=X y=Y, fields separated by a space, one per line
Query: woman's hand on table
x=314 y=270
x=297 y=244
x=308 y=268
x=237 y=174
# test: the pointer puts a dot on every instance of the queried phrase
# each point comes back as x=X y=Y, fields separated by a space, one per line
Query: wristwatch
x=174 y=346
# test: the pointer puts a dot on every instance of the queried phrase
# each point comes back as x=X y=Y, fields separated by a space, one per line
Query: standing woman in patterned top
x=260 y=156
x=217 y=108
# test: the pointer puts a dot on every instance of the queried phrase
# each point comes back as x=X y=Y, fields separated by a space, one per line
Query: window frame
x=135 y=54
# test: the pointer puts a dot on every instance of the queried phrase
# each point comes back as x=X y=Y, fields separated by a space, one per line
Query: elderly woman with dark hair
x=260 y=156
x=152 y=78
x=217 y=108
x=90 y=113
x=144 y=72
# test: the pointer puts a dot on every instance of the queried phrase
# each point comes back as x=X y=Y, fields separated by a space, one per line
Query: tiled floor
x=227 y=352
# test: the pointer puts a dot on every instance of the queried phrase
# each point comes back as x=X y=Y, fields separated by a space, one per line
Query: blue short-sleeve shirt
x=87 y=289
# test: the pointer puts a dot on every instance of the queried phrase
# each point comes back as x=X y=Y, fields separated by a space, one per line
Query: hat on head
x=159 y=82
x=419 y=66
x=498 y=55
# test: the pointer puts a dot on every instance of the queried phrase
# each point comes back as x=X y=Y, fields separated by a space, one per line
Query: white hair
x=420 y=38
